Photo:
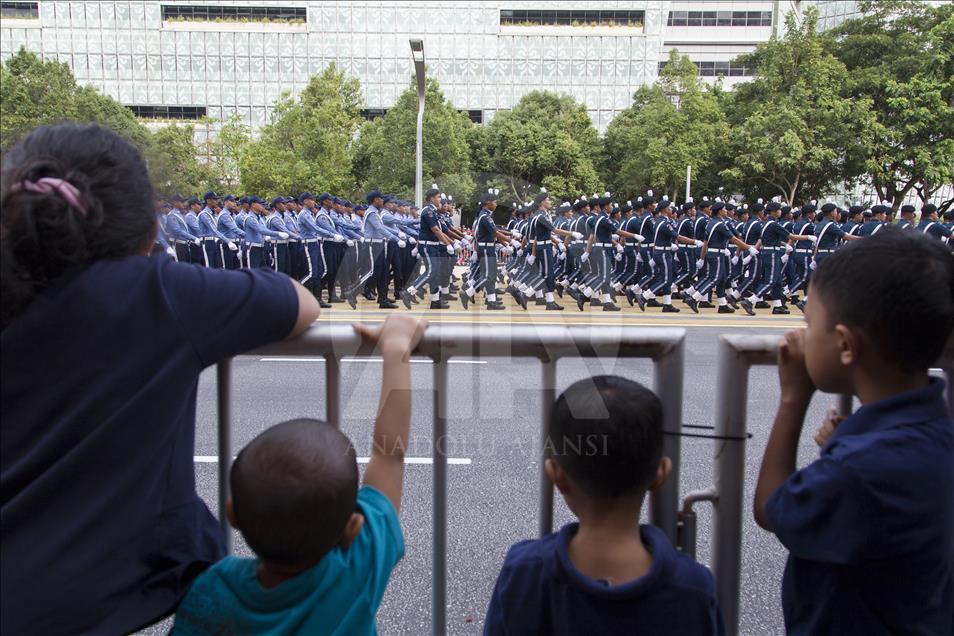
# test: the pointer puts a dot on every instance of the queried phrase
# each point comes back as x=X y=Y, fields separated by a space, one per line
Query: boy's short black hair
x=294 y=487
x=898 y=287
x=606 y=432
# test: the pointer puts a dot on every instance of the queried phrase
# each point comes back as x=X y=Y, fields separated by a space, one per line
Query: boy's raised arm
x=395 y=340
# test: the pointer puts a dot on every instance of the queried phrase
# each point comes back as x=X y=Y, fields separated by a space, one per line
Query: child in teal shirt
x=325 y=547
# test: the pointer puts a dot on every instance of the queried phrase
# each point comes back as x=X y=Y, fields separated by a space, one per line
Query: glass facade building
x=229 y=56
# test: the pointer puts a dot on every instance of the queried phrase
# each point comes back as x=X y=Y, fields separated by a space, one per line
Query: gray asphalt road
x=493 y=499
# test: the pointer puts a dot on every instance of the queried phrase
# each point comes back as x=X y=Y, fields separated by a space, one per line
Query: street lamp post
x=417 y=52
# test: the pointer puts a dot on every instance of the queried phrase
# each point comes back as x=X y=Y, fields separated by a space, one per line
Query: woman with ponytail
x=102 y=347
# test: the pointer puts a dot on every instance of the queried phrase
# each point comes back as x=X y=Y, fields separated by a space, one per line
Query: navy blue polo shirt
x=870 y=524
x=102 y=530
x=539 y=591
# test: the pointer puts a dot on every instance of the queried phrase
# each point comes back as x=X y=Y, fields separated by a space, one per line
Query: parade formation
x=710 y=253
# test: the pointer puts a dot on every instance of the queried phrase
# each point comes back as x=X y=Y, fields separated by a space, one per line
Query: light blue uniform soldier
x=279 y=247
x=192 y=222
x=715 y=253
x=666 y=239
x=829 y=234
x=183 y=240
x=931 y=225
x=431 y=243
x=314 y=267
x=255 y=233
x=802 y=257
x=486 y=237
x=226 y=225
x=296 y=247
x=376 y=268
x=210 y=234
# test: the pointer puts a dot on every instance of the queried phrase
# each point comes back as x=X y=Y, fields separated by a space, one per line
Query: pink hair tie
x=66 y=191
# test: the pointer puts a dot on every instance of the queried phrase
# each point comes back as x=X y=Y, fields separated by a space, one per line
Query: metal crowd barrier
x=547 y=343
x=736 y=355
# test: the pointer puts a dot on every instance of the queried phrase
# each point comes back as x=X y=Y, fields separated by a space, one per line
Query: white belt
x=604 y=245
x=313 y=240
x=803 y=251
x=541 y=242
x=254 y=244
x=771 y=249
x=208 y=238
x=825 y=251
x=722 y=252
x=367 y=240
x=430 y=242
x=577 y=242
x=648 y=245
x=485 y=244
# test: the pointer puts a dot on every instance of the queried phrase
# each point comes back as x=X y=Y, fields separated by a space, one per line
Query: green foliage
x=547 y=140
x=225 y=150
x=900 y=54
x=174 y=164
x=794 y=125
x=385 y=150
x=34 y=93
x=307 y=144
x=675 y=123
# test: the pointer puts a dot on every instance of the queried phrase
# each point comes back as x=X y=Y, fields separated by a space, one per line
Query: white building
x=183 y=59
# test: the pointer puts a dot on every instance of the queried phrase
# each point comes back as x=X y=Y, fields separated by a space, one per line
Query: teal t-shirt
x=339 y=595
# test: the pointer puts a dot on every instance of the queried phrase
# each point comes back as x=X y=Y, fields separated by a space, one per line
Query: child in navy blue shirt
x=605 y=574
x=325 y=547
x=869 y=525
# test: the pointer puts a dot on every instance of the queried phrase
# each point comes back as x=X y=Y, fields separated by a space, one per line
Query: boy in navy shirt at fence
x=325 y=547
x=870 y=524
x=605 y=574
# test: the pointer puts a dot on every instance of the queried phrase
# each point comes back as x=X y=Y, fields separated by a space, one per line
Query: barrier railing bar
x=439 y=513
x=546 y=486
x=667 y=383
x=223 y=385
x=333 y=390
x=440 y=343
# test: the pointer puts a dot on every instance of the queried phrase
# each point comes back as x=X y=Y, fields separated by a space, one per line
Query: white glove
x=515 y=244
x=576 y=235
x=735 y=260
x=457 y=245
x=520 y=252
x=402 y=244
x=339 y=238
x=516 y=234
x=753 y=251
x=402 y=235
x=506 y=251
x=283 y=235
x=414 y=252
x=619 y=249
x=639 y=238
x=171 y=252
x=812 y=238
x=639 y=257
x=784 y=258
x=789 y=249
x=697 y=243
x=700 y=264
x=232 y=246
x=349 y=243
x=618 y=257
x=746 y=260
x=473 y=257
x=561 y=256
x=450 y=249
x=812 y=264
x=531 y=259
x=585 y=256
x=674 y=247
x=412 y=240
x=197 y=241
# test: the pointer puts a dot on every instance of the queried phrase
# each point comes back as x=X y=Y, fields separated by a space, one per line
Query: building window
x=575 y=18
x=714 y=69
x=22 y=10
x=719 y=18
x=168 y=112
x=373 y=113
x=189 y=13
x=476 y=116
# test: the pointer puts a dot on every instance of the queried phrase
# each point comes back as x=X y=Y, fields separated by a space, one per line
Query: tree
x=900 y=54
x=34 y=93
x=672 y=124
x=547 y=140
x=385 y=151
x=174 y=164
x=794 y=127
x=225 y=150
x=308 y=143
